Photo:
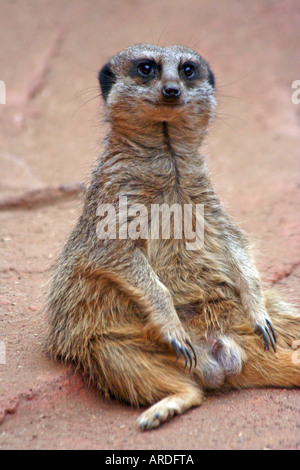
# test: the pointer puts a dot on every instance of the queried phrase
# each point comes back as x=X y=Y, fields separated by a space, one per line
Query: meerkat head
x=148 y=83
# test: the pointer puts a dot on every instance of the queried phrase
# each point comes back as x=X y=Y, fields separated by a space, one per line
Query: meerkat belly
x=185 y=273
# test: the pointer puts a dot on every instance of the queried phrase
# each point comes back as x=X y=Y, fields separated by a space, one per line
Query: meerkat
x=147 y=320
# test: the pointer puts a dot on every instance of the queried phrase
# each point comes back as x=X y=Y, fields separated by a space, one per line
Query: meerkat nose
x=170 y=91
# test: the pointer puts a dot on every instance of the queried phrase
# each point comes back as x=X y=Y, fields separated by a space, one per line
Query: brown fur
x=117 y=307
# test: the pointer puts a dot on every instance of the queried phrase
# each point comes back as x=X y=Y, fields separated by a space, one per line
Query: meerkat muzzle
x=171 y=91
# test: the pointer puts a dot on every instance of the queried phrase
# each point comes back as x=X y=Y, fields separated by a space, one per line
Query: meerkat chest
x=175 y=233
x=178 y=269
x=184 y=244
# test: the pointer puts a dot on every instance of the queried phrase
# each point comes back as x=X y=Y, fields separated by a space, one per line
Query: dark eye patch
x=145 y=69
x=211 y=78
x=107 y=79
x=190 y=70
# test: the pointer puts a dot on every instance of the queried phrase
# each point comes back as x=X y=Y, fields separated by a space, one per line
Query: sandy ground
x=50 y=134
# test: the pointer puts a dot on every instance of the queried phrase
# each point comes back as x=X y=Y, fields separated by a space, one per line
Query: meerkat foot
x=165 y=409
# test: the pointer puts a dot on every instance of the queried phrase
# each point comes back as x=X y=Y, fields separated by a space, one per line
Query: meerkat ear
x=106 y=78
x=211 y=78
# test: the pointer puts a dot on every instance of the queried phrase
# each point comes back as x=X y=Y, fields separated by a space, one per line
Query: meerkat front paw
x=182 y=344
x=265 y=328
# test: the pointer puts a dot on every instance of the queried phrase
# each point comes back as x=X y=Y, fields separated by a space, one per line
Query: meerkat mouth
x=164 y=104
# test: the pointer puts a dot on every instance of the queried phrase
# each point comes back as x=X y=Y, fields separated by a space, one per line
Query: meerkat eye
x=189 y=70
x=145 y=69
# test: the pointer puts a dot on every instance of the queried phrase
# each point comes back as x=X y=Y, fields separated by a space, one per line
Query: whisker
x=196 y=44
x=81 y=93
x=236 y=81
x=227 y=96
x=83 y=104
x=224 y=121
x=162 y=32
x=232 y=116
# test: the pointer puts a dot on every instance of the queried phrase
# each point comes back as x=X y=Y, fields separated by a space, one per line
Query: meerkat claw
x=186 y=353
x=190 y=359
x=267 y=335
x=272 y=330
x=264 y=334
x=193 y=350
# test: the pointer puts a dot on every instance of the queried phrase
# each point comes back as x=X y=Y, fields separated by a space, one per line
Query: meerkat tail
x=264 y=368
x=268 y=370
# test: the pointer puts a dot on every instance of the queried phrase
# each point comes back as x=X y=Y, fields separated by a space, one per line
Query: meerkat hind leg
x=142 y=373
x=190 y=396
